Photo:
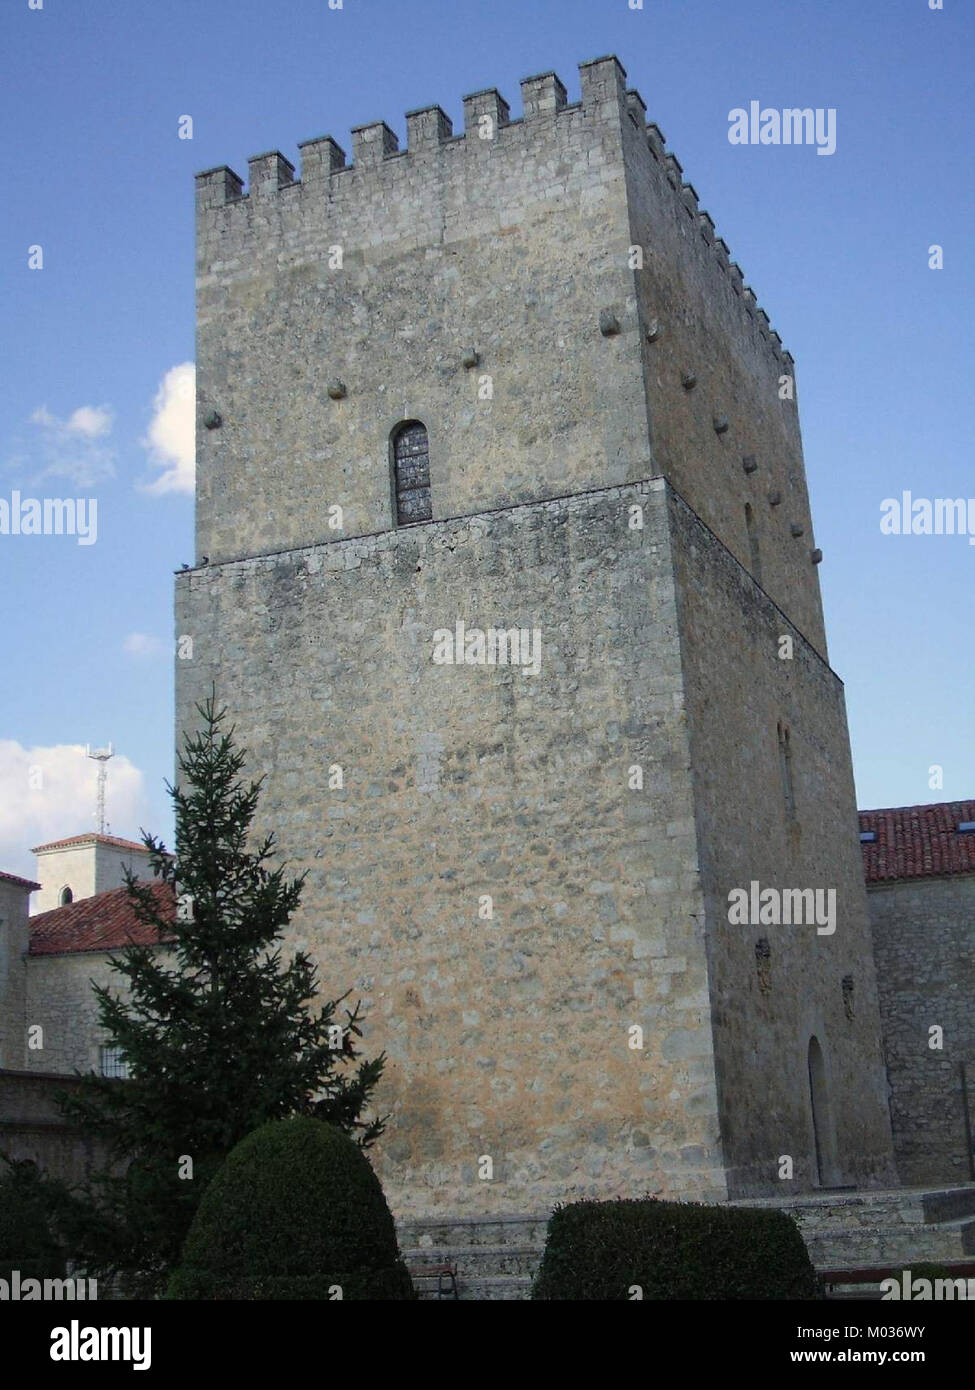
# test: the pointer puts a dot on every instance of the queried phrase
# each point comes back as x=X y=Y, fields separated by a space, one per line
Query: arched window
x=411 y=473
x=66 y=897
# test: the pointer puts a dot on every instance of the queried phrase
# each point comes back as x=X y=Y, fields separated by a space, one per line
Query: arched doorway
x=824 y=1133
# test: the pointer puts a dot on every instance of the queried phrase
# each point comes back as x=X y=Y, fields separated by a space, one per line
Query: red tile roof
x=88 y=839
x=104 y=922
x=918 y=841
x=23 y=882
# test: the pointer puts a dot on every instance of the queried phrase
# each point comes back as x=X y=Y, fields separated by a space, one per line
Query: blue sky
x=836 y=248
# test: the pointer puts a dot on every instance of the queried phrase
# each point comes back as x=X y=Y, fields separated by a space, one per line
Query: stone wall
x=381 y=274
x=14 y=902
x=509 y=1036
x=924 y=947
x=31 y=1127
x=61 y=999
x=768 y=1000
x=710 y=357
x=511 y=245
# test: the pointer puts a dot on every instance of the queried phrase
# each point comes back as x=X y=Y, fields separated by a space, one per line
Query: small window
x=411 y=474
x=966 y=827
x=868 y=837
x=112 y=1062
x=66 y=897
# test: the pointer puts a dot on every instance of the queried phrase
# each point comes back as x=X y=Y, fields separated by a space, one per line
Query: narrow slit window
x=755 y=554
x=411 y=474
x=785 y=763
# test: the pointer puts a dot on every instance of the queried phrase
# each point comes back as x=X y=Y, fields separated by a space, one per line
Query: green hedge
x=673 y=1250
x=294 y=1211
x=27 y=1242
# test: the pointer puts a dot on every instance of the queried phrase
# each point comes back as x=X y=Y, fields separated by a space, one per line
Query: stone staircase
x=497 y=1256
x=899 y=1227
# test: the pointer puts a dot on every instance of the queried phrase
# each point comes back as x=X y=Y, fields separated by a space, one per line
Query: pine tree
x=217 y=1031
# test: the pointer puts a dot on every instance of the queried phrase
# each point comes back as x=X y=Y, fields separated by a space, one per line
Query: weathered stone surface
x=923 y=938
x=737 y=690
x=507 y=1037
x=33 y=1128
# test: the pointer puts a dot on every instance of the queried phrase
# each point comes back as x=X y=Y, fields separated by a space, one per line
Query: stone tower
x=82 y=865
x=511 y=379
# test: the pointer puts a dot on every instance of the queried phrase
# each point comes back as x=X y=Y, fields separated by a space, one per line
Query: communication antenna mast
x=101 y=756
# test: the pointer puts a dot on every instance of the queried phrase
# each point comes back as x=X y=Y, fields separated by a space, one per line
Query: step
x=478 y=1260
x=856 y=1293
x=501 y=1286
x=950 y=1204
x=872 y=1208
x=464 y=1232
x=891 y=1245
x=497 y=1254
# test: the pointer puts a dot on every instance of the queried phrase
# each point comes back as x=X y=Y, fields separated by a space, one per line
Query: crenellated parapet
x=487 y=116
x=327 y=177
x=687 y=197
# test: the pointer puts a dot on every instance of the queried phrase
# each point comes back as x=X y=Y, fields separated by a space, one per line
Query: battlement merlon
x=268 y=173
x=217 y=187
x=637 y=108
x=373 y=143
x=485 y=111
x=427 y=127
x=543 y=94
x=320 y=158
x=603 y=80
x=487 y=117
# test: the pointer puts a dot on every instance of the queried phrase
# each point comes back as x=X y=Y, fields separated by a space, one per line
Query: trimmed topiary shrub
x=673 y=1250
x=27 y=1242
x=294 y=1212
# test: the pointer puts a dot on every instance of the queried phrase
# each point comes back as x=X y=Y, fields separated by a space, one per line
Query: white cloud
x=171 y=439
x=91 y=420
x=70 y=448
x=48 y=793
x=141 y=644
